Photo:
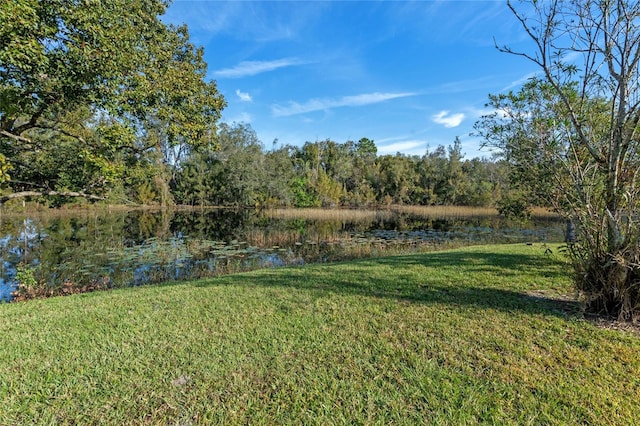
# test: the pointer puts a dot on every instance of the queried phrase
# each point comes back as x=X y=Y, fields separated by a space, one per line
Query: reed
x=281 y=237
x=328 y=214
x=369 y=214
x=447 y=211
x=439 y=212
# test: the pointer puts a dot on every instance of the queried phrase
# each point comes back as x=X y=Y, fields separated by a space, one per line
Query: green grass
x=475 y=335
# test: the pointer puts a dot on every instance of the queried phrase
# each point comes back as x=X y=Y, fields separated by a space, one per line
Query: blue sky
x=409 y=75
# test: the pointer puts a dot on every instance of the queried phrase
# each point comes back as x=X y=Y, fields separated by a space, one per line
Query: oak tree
x=100 y=83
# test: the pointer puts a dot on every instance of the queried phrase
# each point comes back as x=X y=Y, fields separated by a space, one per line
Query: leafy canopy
x=102 y=75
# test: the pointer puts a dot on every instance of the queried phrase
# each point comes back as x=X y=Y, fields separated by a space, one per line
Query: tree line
x=240 y=172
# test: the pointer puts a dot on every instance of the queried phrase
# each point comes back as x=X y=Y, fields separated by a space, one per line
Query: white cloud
x=448 y=120
x=294 y=108
x=244 y=97
x=249 y=68
x=407 y=147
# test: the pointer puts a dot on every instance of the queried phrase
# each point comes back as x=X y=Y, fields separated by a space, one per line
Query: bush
x=514 y=207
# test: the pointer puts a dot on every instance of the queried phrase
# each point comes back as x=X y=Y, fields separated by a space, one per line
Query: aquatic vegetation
x=70 y=254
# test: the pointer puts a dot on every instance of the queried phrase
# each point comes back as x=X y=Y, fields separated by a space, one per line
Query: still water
x=91 y=250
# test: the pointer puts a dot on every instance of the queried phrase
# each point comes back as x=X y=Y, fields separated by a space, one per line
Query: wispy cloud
x=259 y=22
x=448 y=120
x=294 y=108
x=469 y=27
x=249 y=68
x=244 y=97
x=519 y=82
x=407 y=147
x=204 y=25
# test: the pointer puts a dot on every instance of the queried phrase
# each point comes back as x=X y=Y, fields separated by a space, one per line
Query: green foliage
x=5 y=168
x=530 y=141
x=397 y=178
x=92 y=90
x=146 y=194
x=25 y=276
x=514 y=205
x=366 y=149
x=328 y=190
x=27 y=284
x=572 y=136
x=232 y=175
x=280 y=174
x=303 y=196
x=328 y=173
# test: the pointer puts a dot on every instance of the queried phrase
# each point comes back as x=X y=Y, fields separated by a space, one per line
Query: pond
x=64 y=252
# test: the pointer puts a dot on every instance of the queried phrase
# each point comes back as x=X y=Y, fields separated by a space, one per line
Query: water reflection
x=67 y=253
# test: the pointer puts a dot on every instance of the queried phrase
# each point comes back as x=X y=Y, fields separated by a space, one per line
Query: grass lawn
x=474 y=335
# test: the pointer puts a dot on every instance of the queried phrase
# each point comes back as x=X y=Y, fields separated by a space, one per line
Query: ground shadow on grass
x=546 y=266
x=493 y=280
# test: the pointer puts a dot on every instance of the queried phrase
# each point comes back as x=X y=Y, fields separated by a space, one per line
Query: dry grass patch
x=383 y=213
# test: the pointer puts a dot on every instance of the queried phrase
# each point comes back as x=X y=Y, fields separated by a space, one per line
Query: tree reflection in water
x=67 y=253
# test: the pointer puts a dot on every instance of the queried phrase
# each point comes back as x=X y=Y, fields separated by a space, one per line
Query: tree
x=481 y=183
x=578 y=123
x=455 y=180
x=358 y=184
x=536 y=176
x=107 y=80
x=234 y=174
x=431 y=170
x=366 y=149
x=398 y=179
x=323 y=168
x=280 y=176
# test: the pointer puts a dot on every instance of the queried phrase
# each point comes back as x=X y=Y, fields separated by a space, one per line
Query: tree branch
x=32 y=121
x=542 y=42
x=23 y=194
x=17 y=138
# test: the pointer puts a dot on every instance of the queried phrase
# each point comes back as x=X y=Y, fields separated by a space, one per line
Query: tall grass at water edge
x=389 y=212
x=384 y=213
